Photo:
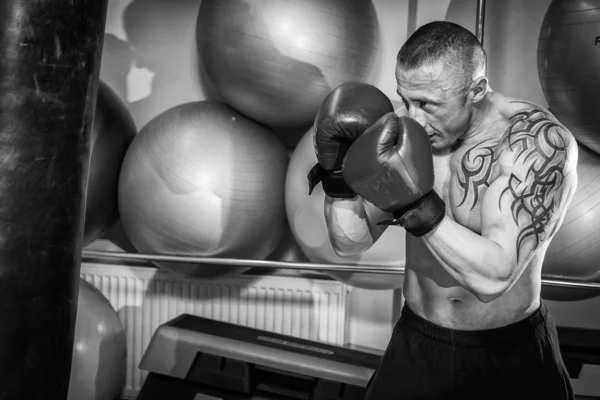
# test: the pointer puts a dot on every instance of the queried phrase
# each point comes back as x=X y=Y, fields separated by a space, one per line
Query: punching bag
x=48 y=82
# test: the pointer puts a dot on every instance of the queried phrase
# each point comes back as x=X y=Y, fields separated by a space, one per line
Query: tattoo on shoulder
x=539 y=143
x=476 y=167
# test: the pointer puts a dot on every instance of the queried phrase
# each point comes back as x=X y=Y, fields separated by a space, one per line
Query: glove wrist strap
x=333 y=182
x=423 y=216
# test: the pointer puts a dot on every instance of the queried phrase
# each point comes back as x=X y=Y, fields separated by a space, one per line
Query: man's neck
x=481 y=119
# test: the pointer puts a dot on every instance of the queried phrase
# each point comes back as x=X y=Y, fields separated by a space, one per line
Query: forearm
x=478 y=264
x=348 y=225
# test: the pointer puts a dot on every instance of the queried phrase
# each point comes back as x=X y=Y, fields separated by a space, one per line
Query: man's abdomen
x=433 y=294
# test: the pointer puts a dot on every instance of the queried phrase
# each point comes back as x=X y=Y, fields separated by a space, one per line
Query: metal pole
x=92 y=255
x=48 y=80
x=480 y=20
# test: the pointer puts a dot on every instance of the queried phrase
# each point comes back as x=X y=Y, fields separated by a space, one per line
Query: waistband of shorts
x=515 y=331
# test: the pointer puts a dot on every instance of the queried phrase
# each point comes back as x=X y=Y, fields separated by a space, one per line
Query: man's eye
x=423 y=104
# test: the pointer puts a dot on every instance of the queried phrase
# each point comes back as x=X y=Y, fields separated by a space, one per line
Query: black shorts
x=426 y=361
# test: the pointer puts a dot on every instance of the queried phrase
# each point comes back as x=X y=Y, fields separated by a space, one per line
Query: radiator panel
x=146 y=297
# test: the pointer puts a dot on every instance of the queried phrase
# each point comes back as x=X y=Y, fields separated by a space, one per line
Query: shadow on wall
x=117 y=62
x=157 y=67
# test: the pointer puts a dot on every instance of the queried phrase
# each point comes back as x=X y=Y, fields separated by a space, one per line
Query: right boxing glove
x=391 y=166
x=344 y=115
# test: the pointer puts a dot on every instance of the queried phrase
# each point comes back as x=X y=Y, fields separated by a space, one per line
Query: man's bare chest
x=462 y=177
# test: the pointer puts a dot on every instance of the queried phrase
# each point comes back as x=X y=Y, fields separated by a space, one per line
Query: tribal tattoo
x=538 y=143
x=477 y=165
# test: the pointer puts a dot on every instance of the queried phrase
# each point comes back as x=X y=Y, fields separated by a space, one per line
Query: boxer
x=481 y=183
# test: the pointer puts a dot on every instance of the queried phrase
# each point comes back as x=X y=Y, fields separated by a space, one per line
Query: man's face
x=435 y=99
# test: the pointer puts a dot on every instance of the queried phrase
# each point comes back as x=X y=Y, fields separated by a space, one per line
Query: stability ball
x=288 y=249
x=112 y=133
x=569 y=66
x=307 y=222
x=575 y=250
x=275 y=61
x=200 y=179
x=98 y=367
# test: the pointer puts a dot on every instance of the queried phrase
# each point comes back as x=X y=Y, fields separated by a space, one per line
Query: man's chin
x=439 y=146
x=436 y=143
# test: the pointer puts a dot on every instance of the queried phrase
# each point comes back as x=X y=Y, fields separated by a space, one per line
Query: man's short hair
x=446 y=41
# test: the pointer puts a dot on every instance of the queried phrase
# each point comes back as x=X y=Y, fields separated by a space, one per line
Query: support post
x=480 y=20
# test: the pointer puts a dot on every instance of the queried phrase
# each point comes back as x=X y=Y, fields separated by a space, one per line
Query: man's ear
x=479 y=88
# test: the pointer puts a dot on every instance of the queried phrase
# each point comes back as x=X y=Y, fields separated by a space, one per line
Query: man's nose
x=418 y=115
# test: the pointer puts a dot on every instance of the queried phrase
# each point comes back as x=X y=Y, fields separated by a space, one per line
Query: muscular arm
x=520 y=211
x=352 y=224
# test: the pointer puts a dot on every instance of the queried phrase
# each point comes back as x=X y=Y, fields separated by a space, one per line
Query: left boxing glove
x=343 y=116
x=391 y=166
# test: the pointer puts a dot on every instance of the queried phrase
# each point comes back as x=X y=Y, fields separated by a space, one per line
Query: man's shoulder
x=528 y=123
x=535 y=138
x=513 y=109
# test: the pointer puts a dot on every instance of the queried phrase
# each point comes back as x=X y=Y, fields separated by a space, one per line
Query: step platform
x=579 y=346
x=196 y=358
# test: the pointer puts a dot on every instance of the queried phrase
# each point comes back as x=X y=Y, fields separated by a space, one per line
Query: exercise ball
x=275 y=61
x=288 y=249
x=574 y=252
x=98 y=367
x=112 y=132
x=306 y=218
x=200 y=179
x=569 y=66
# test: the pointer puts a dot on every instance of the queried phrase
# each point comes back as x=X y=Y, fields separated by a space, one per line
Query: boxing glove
x=344 y=115
x=391 y=166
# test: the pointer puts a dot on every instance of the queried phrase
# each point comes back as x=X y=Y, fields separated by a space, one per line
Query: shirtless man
x=481 y=183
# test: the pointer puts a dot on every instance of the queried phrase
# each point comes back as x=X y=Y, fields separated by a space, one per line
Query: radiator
x=146 y=297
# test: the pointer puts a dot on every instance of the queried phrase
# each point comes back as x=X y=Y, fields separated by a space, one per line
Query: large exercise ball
x=275 y=61
x=112 y=133
x=575 y=250
x=98 y=367
x=201 y=179
x=569 y=66
x=307 y=221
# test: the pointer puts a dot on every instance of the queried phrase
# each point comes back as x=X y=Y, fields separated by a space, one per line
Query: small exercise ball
x=306 y=217
x=569 y=66
x=575 y=250
x=275 y=61
x=200 y=179
x=98 y=367
x=112 y=132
